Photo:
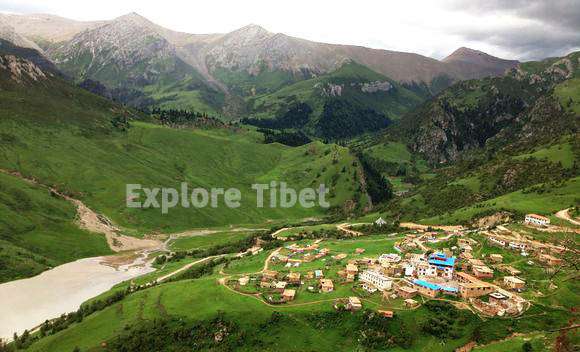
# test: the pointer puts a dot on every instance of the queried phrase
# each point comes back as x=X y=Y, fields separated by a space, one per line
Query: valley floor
x=86 y=278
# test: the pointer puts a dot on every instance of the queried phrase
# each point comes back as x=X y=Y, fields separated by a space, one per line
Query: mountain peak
x=252 y=30
x=134 y=19
x=473 y=56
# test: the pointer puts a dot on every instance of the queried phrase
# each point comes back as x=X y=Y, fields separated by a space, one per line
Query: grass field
x=64 y=137
x=557 y=153
x=392 y=152
x=208 y=240
x=568 y=93
x=304 y=322
x=155 y=156
x=38 y=231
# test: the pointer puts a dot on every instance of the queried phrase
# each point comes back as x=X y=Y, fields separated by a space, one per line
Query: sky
x=511 y=29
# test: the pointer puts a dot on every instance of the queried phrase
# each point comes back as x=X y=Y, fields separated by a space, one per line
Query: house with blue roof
x=439 y=264
x=431 y=289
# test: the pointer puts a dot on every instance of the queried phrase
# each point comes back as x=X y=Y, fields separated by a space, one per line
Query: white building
x=438 y=264
x=536 y=219
x=497 y=241
x=424 y=269
x=380 y=222
x=517 y=245
x=376 y=279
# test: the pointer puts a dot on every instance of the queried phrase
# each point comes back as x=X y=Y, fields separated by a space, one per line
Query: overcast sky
x=512 y=29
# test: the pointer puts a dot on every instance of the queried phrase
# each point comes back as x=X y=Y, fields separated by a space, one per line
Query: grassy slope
x=63 y=136
x=394 y=102
x=209 y=240
x=37 y=231
x=556 y=198
x=96 y=169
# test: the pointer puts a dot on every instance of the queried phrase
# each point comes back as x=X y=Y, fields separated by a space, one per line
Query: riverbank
x=29 y=302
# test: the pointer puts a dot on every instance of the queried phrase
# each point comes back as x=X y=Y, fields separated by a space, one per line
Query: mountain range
x=143 y=64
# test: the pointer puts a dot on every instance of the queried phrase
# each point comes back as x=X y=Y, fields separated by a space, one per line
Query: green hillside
x=97 y=168
x=86 y=147
x=38 y=231
x=354 y=84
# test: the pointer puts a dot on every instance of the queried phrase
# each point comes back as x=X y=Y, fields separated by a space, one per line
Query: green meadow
x=38 y=231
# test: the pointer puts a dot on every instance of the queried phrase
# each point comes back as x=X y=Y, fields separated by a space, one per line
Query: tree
x=527 y=347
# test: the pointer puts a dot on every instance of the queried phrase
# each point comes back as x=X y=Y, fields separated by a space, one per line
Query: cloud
x=18 y=7
x=531 y=29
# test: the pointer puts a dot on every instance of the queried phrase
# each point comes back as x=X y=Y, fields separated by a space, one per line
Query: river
x=26 y=303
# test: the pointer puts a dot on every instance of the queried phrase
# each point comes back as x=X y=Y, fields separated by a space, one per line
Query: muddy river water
x=24 y=304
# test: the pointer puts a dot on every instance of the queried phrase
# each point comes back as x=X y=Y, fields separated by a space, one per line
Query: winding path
x=564 y=214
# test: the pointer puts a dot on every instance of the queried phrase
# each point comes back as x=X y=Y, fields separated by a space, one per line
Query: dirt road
x=564 y=214
x=185 y=267
x=346 y=228
x=415 y=226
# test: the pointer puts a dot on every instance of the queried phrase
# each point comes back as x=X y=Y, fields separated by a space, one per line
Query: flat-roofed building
x=474 y=289
x=482 y=271
x=549 y=260
x=376 y=279
x=351 y=269
x=386 y=313
x=426 y=288
x=538 y=220
x=354 y=304
x=326 y=285
x=514 y=283
x=288 y=295
x=270 y=274
x=511 y=270
x=411 y=303
x=293 y=278
x=280 y=286
x=406 y=292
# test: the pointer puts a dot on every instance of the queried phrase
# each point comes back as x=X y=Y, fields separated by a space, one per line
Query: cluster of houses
x=437 y=274
x=543 y=252
x=294 y=255
x=407 y=274
x=287 y=285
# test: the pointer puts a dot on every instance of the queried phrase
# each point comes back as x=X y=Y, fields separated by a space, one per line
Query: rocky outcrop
x=20 y=70
x=330 y=90
x=377 y=86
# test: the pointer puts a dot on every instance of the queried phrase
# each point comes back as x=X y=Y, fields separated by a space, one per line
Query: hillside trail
x=564 y=214
x=415 y=226
x=89 y=220
x=185 y=267
x=345 y=227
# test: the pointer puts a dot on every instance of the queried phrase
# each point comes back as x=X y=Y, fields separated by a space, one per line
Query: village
x=483 y=270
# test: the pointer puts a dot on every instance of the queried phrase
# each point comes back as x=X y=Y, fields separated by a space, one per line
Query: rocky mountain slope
x=9 y=34
x=468 y=64
x=535 y=101
x=44 y=28
x=151 y=65
x=344 y=103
